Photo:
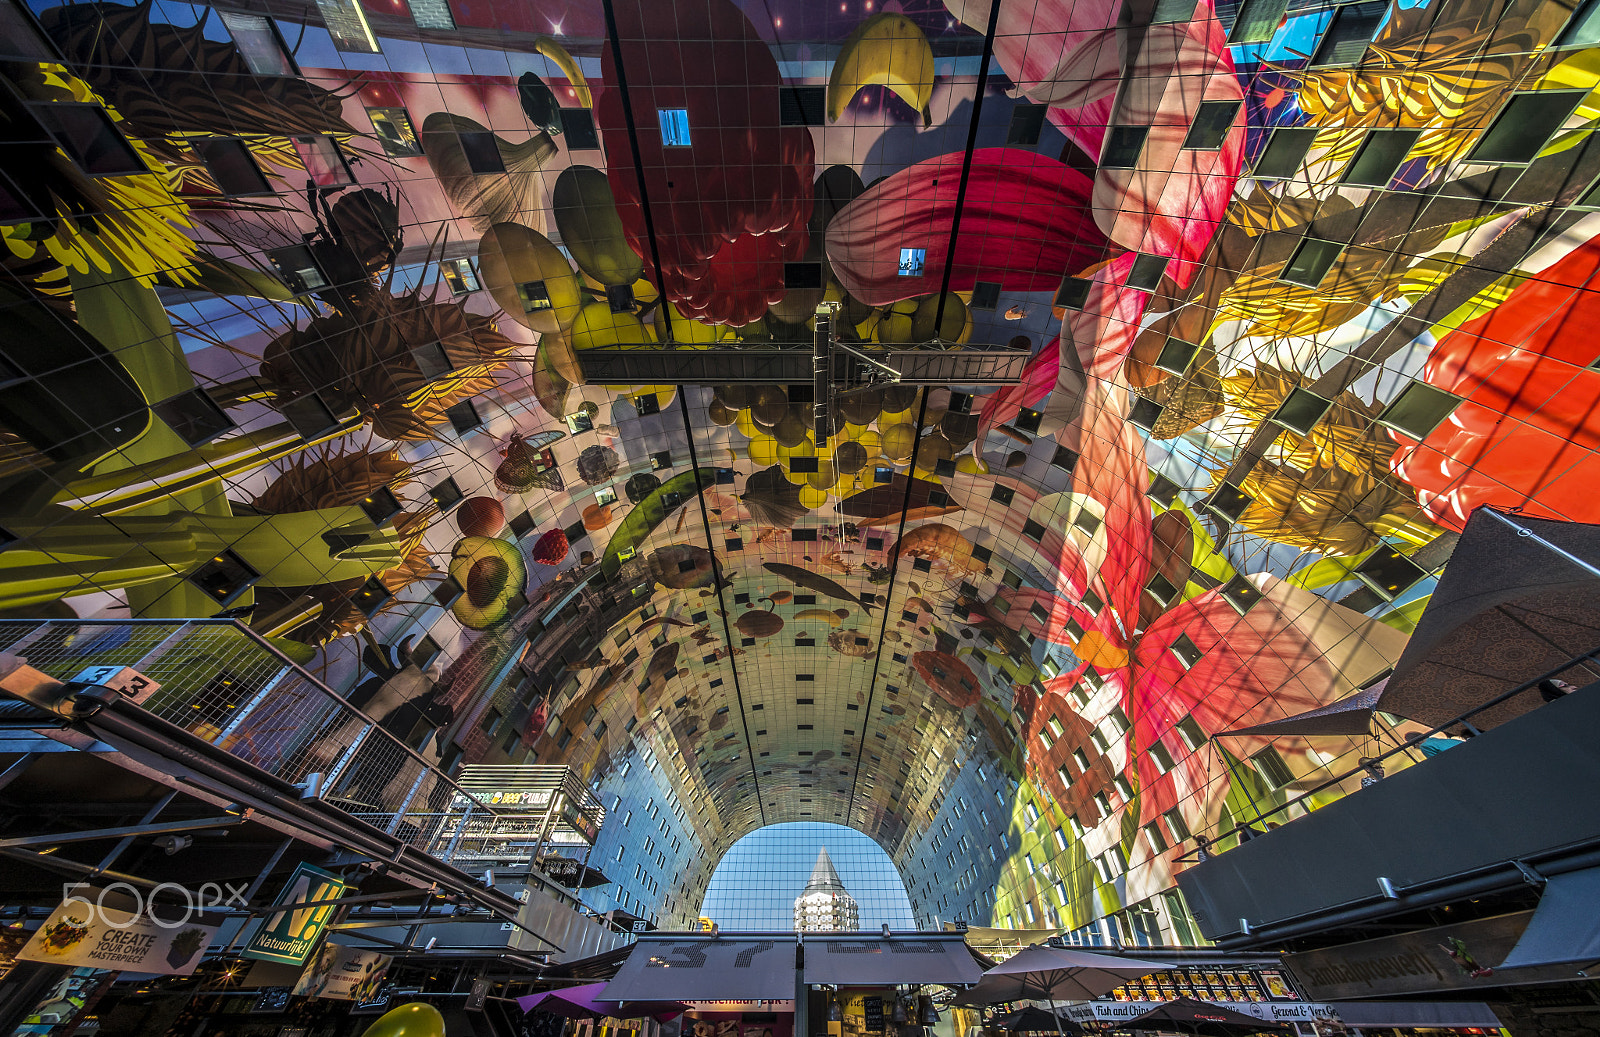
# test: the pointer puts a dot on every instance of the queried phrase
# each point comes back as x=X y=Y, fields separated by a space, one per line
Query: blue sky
x=755 y=884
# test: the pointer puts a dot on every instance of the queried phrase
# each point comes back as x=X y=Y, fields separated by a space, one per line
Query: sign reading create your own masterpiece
x=288 y=936
x=90 y=931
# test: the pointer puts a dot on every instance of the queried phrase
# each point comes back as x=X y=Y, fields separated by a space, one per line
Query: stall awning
x=1414 y=1014
x=877 y=961
x=722 y=968
x=1566 y=925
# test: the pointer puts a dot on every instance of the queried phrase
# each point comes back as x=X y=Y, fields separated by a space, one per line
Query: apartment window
x=324 y=161
x=1380 y=157
x=1388 y=572
x=464 y=417
x=1147 y=272
x=1124 y=788
x=1300 y=411
x=1176 y=355
x=1123 y=145
x=1158 y=842
x=1418 y=410
x=482 y=153
x=912 y=262
x=1270 y=766
x=1186 y=651
x=1176 y=825
x=1345 y=41
x=232 y=167
x=1073 y=293
x=259 y=44
x=346 y=22
x=1258 y=21
x=802 y=106
x=1193 y=735
x=674 y=127
x=1161 y=757
x=1284 y=154
x=1212 y=121
x=1312 y=260
x=459 y=275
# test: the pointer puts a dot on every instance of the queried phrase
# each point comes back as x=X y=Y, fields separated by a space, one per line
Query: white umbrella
x=1056 y=974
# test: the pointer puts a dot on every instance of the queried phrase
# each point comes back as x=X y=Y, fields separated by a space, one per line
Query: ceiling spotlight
x=171 y=844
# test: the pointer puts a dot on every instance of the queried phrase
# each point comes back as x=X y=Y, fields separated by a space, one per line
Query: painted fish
x=813 y=582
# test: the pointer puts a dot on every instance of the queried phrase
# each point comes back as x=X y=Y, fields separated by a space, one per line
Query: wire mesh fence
x=227 y=687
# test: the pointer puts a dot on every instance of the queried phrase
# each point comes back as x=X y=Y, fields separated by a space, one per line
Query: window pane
x=1524 y=125
x=1311 y=262
x=1211 y=125
x=1348 y=34
x=233 y=167
x=1284 y=154
x=1258 y=21
x=87 y=133
x=259 y=44
x=1123 y=145
x=1380 y=157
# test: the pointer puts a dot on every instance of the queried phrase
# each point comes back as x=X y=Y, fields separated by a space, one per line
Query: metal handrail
x=1461 y=719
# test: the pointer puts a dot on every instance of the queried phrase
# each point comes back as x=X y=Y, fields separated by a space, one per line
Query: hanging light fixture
x=899 y=1009
x=834 y=1015
x=928 y=1014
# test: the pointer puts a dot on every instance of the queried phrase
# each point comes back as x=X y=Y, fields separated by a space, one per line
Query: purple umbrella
x=579 y=1003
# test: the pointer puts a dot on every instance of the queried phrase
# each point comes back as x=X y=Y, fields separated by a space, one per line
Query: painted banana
x=885 y=50
x=569 y=67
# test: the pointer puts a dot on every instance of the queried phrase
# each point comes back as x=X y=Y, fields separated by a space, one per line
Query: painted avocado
x=491 y=574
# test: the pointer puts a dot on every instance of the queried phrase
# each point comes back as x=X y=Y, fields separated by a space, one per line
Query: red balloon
x=480 y=517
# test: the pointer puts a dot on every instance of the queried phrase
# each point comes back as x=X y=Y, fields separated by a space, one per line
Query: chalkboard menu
x=872 y=1009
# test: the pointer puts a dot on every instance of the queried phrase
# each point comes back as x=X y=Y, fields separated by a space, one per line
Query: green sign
x=289 y=936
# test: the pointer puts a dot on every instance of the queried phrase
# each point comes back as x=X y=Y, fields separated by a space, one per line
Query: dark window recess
x=648 y=403
x=1345 y=41
x=1257 y=21
x=380 y=506
x=944 y=468
x=194 y=416
x=805 y=676
x=1211 y=123
x=805 y=599
x=446 y=494
x=1087 y=520
x=1073 y=293
x=1123 y=145
x=224 y=577
x=874 y=543
x=1300 y=411
x=1064 y=459
x=909 y=617
x=802 y=106
x=802 y=275
x=1145 y=414
x=982 y=554
x=446 y=591
x=742 y=598
x=298 y=268
x=985 y=296
x=725 y=476
x=1284 y=154
x=882 y=474
x=310 y=417
x=734 y=543
x=802 y=534
x=1161 y=589
x=575 y=532
x=717 y=684
x=1583 y=30
x=701 y=616
x=1380 y=157
x=686 y=566
x=1032 y=530
x=1176 y=356
x=432 y=361
x=535 y=296
x=482 y=152
x=1026 y=122
x=661 y=459
x=464 y=418
x=1002 y=494
x=1240 y=593
x=1028 y=420
x=1388 y=572
x=521 y=524
x=577 y=127
x=372 y=596
x=922 y=565
x=1186 y=650
x=1162 y=490
x=1227 y=502
x=619 y=297
x=1312 y=260
x=1525 y=125
x=1147 y=272
x=804 y=642
x=87 y=134
x=232 y=167
x=747 y=641
x=960 y=403
x=1418 y=409
x=803 y=465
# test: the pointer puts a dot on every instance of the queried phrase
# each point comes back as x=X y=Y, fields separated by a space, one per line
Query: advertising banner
x=288 y=937
x=89 y=930
x=1267 y=1011
x=343 y=974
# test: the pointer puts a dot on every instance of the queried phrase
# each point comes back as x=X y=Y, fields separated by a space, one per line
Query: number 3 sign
x=124 y=679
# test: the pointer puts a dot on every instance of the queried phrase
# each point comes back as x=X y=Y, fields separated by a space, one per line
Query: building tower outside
x=825 y=905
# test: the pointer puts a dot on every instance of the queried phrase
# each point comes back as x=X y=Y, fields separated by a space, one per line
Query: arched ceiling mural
x=299 y=300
